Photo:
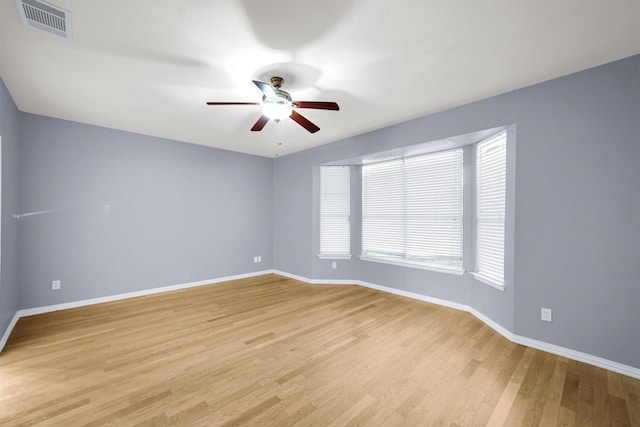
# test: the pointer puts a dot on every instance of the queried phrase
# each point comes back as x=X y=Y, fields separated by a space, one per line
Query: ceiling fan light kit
x=276 y=111
x=277 y=104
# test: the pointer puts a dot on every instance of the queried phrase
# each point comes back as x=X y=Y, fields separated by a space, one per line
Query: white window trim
x=339 y=255
x=483 y=279
x=478 y=276
x=418 y=265
x=336 y=256
x=425 y=265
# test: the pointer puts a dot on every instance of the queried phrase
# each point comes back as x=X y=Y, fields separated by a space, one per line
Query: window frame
x=403 y=258
x=501 y=137
x=346 y=205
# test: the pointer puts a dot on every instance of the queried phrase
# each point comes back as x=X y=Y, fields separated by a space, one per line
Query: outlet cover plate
x=545 y=314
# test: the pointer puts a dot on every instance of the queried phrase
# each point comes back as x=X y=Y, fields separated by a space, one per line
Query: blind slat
x=412 y=208
x=335 y=226
x=491 y=194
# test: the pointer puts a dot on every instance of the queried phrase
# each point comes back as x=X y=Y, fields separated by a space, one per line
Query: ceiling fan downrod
x=277 y=82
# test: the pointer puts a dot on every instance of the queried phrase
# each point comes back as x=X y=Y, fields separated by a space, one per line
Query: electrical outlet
x=255 y=259
x=259 y=258
x=545 y=314
x=55 y=285
x=334 y=265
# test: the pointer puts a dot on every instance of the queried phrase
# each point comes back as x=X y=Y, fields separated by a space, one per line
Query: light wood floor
x=274 y=351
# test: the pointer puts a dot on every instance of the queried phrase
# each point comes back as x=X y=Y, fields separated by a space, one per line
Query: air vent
x=46 y=17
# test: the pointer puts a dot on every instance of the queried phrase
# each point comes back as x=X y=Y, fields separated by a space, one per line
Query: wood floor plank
x=632 y=397
x=273 y=351
x=504 y=406
x=551 y=408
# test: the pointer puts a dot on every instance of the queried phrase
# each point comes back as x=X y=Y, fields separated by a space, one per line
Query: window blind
x=412 y=210
x=491 y=158
x=335 y=226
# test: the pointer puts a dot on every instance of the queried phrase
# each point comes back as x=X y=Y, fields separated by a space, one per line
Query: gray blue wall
x=9 y=268
x=578 y=211
x=577 y=201
x=109 y=212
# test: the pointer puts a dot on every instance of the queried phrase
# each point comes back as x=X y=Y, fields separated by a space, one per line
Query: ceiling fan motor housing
x=277 y=105
x=280 y=97
x=277 y=82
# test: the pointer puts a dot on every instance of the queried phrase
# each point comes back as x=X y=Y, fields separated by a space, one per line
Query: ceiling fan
x=277 y=105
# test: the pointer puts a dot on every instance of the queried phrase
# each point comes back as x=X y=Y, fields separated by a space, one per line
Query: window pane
x=335 y=227
x=491 y=193
x=412 y=209
x=383 y=209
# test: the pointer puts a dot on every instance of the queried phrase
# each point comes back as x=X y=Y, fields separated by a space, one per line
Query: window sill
x=487 y=281
x=329 y=256
x=438 y=269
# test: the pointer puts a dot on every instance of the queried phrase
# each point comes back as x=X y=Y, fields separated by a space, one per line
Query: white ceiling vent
x=46 y=17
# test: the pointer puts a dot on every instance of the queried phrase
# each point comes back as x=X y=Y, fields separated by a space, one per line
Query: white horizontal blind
x=491 y=169
x=434 y=208
x=335 y=227
x=383 y=206
x=412 y=209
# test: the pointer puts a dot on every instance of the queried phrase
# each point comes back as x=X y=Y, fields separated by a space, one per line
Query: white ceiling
x=149 y=66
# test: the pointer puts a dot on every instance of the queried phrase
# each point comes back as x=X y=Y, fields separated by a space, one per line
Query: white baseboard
x=8 y=331
x=91 y=301
x=414 y=295
x=518 y=339
x=82 y=303
x=492 y=324
x=292 y=276
x=600 y=362
x=540 y=345
x=315 y=282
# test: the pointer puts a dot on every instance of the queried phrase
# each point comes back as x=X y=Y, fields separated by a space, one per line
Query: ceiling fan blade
x=260 y=123
x=265 y=88
x=302 y=121
x=317 y=105
x=233 y=103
